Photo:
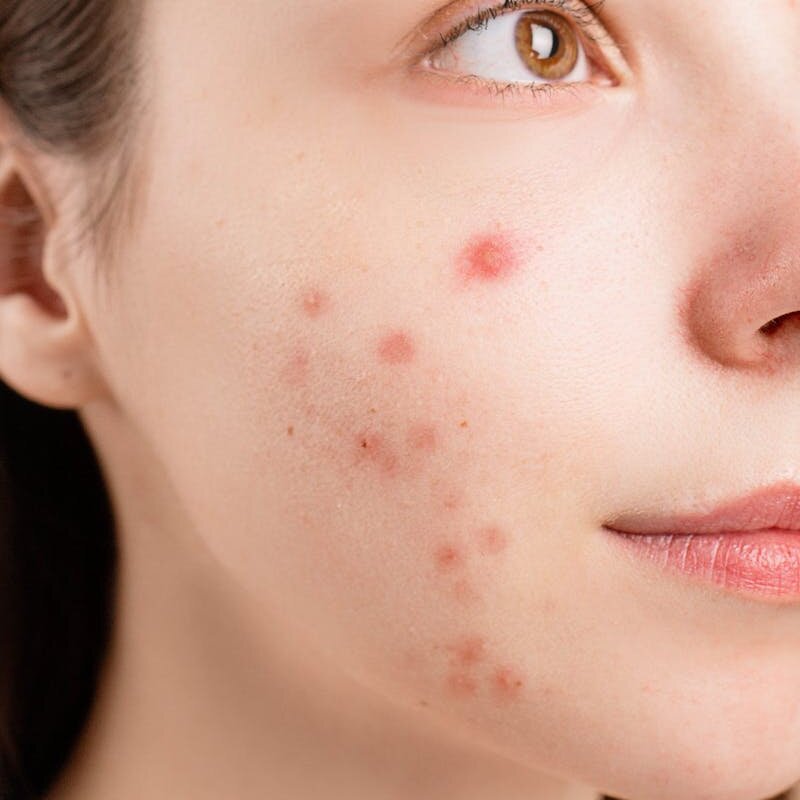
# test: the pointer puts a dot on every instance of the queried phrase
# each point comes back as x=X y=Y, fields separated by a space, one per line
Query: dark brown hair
x=69 y=87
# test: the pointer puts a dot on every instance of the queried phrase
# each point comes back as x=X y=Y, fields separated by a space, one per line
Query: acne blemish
x=374 y=449
x=507 y=683
x=422 y=437
x=396 y=347
x=487 y=258
x=315 y=302
x=448 y=557
x=468 y=651
x=491 y=540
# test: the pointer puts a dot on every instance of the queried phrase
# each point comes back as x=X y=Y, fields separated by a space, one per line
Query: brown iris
x=546 y=43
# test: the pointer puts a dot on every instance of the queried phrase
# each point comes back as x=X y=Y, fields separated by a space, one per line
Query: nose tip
x=741 y=305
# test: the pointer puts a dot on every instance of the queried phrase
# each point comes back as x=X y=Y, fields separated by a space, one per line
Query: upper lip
x=771 y=507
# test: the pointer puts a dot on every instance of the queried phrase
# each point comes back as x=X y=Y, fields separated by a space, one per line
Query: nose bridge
x=738 y=143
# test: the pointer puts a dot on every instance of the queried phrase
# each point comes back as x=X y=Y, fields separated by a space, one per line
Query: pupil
x=544 y=41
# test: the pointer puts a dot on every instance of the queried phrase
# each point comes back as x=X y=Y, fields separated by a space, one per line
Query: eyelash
x=583 y=14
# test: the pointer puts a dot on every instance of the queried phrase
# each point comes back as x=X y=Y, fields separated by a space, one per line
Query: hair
x=69 y=88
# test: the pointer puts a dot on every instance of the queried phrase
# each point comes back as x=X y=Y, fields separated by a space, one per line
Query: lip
x=772 y=507
x=749 y=545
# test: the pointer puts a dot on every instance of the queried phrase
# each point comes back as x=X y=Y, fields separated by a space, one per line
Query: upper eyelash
x=584 y=14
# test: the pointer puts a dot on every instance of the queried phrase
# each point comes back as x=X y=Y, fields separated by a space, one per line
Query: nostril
x=776 y=323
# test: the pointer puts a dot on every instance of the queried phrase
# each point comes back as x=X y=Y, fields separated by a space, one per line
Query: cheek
x=380 y=440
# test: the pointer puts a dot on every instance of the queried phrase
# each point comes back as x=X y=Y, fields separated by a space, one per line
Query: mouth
x=747 y=545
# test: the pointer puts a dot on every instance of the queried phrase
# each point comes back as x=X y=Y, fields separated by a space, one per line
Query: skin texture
x=381 y=356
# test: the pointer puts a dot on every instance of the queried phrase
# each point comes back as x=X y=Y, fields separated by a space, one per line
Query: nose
x=741 y=306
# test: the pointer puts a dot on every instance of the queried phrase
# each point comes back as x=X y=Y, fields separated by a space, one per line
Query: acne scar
x=492 y=540
x=487 y=258
x=396 y=347
x=507 y=682
x=315 y=302
x=422 y=437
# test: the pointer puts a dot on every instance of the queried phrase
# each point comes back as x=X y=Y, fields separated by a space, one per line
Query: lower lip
x=760 y=565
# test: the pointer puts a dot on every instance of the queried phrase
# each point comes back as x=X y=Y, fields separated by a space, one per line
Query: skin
x=378 y=360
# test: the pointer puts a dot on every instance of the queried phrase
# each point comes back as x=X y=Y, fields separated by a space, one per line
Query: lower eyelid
x=424 y=84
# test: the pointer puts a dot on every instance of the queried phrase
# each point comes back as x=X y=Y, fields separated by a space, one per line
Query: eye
x=535 y=47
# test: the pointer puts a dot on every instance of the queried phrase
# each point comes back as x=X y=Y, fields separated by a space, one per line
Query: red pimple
x=507 y=682
x=396 y=348
x=315 y=302
x=488 y=258
x=422 y=437
x=492 y=540
x=448 y=557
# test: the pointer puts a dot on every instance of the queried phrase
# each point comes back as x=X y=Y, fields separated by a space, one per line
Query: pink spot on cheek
x=469 y=651
x=492 y=540
x=448 y=558
x=374 y=448
x=422 y=437
x=461 y=684
x=488 y=258
x=396 y=348
x=315 y=302
x=295 y=371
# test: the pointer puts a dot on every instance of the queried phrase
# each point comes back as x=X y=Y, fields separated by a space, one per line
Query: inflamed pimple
x=487 y=258
x=448 y=557
x=396 y=347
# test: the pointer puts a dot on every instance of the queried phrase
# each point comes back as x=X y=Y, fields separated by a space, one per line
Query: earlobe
x=45 y=347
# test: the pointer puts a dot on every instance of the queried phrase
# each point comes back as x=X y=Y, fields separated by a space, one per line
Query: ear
x=46 y=352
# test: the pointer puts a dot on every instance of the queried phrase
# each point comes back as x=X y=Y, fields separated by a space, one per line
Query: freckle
x=461 y=684
x=468 y=651
x=422 y=437
x=506 y=682
x=315 y=302
x=463 y=424
x=290 y=430
x=396 y=348
x=448 y=557
x=487 y=258
x=492 y=540
x=424 y=703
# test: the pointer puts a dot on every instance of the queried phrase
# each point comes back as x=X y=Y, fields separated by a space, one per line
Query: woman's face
x=403 y=342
